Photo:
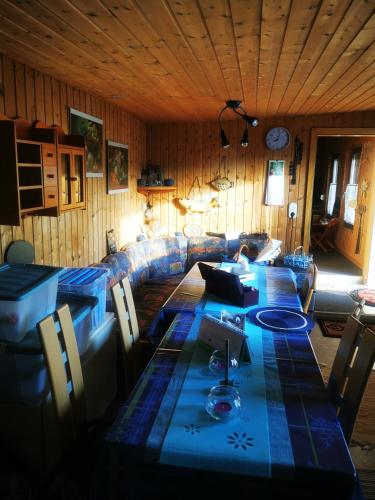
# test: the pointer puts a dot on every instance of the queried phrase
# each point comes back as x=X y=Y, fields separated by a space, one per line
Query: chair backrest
x=351 y=369
x=344 y=358
x=128 y=340
x=129 y=301
x=357 y=381
x=65 y=373
x=308 y=288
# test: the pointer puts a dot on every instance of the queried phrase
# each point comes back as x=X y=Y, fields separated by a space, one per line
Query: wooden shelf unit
x=147 y=190
x=29 y=159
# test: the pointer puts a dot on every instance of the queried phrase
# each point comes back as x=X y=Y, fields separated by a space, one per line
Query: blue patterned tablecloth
x=287 y=430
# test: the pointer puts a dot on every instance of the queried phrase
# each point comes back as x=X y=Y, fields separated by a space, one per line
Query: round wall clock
x=277 y=138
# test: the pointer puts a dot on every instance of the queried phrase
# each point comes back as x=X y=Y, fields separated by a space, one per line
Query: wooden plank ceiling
x=180 y=60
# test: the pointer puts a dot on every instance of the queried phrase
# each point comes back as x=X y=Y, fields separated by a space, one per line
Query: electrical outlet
x=292 y=209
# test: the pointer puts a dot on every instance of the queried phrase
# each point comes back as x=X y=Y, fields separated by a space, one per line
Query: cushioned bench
x=156 y=266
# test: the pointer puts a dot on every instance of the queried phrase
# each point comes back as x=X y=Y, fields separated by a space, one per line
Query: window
x=352 y=188
x=333 y=186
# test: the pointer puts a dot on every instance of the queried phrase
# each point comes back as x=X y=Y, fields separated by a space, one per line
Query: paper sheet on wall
x=275 y=183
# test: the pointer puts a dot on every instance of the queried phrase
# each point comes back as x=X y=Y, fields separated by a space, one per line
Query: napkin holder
x=228 y=286
x=213 y=332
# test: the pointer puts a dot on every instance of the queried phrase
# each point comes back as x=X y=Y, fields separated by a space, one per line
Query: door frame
x=316 y=133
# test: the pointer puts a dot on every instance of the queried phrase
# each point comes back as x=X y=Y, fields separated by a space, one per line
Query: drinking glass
x=223 y=402
x=216 y=363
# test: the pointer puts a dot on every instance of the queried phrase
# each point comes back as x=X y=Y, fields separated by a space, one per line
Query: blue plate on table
x=281 y=319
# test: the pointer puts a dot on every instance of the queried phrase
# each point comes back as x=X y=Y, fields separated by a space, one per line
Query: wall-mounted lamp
x=235 y=106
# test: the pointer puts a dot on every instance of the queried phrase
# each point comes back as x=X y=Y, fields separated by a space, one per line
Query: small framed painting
x=117 y=168
x=275 y=183
x=92 y=129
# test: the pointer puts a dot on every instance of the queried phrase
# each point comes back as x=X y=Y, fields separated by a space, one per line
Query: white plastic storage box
x=86 y=281
x=23 y=373
x=27 y=295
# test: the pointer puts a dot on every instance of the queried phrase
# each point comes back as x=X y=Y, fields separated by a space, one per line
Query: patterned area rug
x=332 y=328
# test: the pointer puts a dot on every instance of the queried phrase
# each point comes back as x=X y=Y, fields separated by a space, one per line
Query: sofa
x=156 y=266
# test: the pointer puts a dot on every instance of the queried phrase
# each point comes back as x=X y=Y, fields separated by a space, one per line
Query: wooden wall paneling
x=95 y=186
x=197 y=169
x=215 y=163
x=108 y=198
x=229 y=196
x=9 y=86
x=206 y=165
x=248 y=177
x=190 y=190
x=164 y=162
x=67 y=96
x=171 y=172
x=180 y=175
x=30 y=94
x=19 y=77
x=302 y=173
x=20 y=94
x=102 y=193
x=85 y=106
x=239 y=181
x=260 y=219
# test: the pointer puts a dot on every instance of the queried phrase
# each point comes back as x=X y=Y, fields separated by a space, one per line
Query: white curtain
x=331 y=198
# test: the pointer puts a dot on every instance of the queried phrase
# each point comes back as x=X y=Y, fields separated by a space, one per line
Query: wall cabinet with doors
x=31 y=159
x=72 y=171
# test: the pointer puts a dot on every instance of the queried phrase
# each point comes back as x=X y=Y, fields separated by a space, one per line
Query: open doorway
x=341 y=187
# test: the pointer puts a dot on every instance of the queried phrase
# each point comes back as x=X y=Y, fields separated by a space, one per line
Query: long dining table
x=285 y=443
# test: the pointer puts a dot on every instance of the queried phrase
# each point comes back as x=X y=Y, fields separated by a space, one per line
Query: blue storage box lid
x=81 y=275
x=17 y=281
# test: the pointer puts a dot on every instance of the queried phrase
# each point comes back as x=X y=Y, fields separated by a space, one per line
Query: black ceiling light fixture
x=236 y=107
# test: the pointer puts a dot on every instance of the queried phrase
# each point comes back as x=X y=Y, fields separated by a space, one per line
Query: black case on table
x=228 y=286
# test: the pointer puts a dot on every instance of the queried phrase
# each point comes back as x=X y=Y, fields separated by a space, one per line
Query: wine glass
x=216 y=363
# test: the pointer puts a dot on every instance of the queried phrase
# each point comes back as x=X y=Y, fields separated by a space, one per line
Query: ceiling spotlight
x=245 y=139
x=224 y=139
x=235 y=106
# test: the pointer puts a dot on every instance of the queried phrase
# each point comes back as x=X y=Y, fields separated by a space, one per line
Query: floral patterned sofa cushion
x=206 y=248
x=165 y=256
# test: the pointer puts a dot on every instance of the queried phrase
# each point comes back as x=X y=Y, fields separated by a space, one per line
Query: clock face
x=277 y=138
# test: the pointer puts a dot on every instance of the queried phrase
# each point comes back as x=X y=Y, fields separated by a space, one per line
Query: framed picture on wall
x=274 y=194
x=92 y=129
x=117 y=168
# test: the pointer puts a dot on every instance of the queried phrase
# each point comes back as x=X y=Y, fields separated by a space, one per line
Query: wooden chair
x=351 y=369
x=324 y=239
x=80 y=438
x=69 y=403
x=136 y=352
x=308 y=289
